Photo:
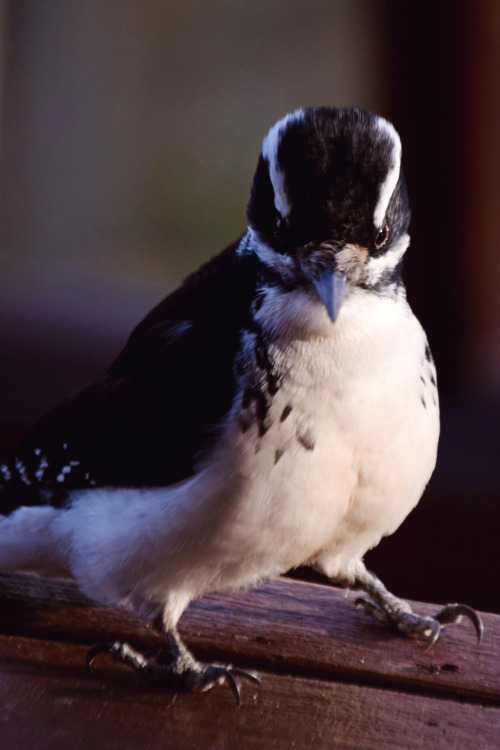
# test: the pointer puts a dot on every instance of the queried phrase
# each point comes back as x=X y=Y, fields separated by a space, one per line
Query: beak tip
x=330 y=287
x=332 y=313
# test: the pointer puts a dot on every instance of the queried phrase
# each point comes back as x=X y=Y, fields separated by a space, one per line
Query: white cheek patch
x=270 y=146
x=252 y=243
x=377 y=268
x=388 y=186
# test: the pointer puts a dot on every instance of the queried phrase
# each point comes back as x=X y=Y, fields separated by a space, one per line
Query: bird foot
x=398 y=613
x=181 y=675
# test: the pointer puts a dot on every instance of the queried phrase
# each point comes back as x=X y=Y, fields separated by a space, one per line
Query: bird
x=278 y=409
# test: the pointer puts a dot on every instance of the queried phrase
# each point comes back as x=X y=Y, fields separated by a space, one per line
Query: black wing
x=157 y=409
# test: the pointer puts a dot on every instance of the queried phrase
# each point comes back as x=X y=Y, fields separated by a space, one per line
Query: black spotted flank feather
x=158 y=407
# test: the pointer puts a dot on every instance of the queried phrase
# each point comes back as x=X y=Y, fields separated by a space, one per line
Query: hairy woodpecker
x=278 y=409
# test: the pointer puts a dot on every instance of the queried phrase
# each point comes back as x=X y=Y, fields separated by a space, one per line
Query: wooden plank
x=284 y=626
x=49 y=700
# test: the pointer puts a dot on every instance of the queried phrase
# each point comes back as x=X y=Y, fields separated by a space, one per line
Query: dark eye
x=381 y=237
x=280 y=231
x=281 y=223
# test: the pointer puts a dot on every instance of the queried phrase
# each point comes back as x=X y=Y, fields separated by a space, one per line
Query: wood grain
x=49 y=700
x=285 y=627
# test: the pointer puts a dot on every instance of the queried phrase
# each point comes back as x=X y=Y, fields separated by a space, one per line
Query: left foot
x=398 y=613
x=181 y=675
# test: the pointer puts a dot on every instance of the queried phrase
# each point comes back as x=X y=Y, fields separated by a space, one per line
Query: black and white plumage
x=279 y=409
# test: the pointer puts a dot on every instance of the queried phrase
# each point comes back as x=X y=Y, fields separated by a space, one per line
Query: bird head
x=328 y=203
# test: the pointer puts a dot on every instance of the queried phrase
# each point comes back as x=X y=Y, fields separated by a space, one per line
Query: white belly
x=346 y=454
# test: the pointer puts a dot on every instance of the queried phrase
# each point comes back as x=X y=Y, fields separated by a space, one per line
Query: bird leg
x=390 y=610
x=182 y=674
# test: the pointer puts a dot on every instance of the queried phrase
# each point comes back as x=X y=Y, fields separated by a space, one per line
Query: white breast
x=358 y=446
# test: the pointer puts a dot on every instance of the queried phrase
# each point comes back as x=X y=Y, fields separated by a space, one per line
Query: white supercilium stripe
x=392 y=177
x=270 y=146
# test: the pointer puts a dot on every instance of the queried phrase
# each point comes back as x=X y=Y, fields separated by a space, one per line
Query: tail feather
x=27 y=541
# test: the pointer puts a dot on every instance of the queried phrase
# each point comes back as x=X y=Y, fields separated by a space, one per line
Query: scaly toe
x=402 y=619
x=372 y=610
x=176 y=676
x=126 y=654
x=95 y=650
x=413 y=624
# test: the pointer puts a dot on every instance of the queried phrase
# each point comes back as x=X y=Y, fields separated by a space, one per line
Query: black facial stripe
x=270 y=278
x=263 y=381
x=389 y=282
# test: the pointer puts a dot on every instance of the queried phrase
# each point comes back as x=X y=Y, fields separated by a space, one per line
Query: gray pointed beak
x=331 y=289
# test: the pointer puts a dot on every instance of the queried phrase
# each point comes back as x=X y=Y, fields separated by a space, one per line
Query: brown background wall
x=129 y=134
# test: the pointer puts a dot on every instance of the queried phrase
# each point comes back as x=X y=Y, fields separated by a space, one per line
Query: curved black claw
x=216 y=674
x=246 y=673
x=453 y=613
x=434 y=629
x=95 y=650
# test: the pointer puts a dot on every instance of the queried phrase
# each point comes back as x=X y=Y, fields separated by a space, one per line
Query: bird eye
x=281 y=223
x=280 y=232
x=381 y=237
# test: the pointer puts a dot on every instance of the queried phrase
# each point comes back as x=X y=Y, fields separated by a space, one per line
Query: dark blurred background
x=130 y=130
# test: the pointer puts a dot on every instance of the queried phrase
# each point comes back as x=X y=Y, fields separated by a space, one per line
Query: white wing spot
x=6 y=472
x=21 y=470
x=39 y=474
